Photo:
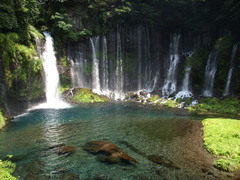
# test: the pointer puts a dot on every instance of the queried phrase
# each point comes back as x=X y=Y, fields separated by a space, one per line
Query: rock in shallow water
x=66 y=150
x=111 y=152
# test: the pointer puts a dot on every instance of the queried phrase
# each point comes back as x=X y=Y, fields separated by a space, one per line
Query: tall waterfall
x=210 y=72
x=185 y=89
x=170 y=82
x=131 y=59
x=139 y=35
x=118 y=89
x=95 y=69
x=105 y=67
x=51 y=76
x=231 y=69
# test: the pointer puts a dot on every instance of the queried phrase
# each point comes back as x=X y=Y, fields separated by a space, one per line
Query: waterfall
x=210 y=72
x=186 y=79
x=231 y=69
x=150 y=86
x=118 y=91
x=139 y=35
x=95 y=68
x=105 y=86
x=79 y=64
x=185 y=89
x=51 y=76
x=170 y=82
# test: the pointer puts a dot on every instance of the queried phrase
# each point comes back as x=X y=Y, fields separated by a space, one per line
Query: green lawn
x=222 y=138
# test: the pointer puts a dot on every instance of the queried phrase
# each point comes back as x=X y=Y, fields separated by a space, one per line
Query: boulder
x=112 y=153
x=66 y=150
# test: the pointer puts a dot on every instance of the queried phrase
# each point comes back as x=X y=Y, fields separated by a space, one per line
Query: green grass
x=222 y=138
x=6 y=170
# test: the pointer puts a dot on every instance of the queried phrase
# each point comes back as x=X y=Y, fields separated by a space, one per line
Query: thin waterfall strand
x=231 y=69
x=210 y=72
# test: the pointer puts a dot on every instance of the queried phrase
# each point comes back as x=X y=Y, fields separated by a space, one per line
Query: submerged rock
x=66 y=150
x=111 y=152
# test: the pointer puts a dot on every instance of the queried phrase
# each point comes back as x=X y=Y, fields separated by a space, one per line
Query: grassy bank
x=220 y=106
x=6 y=170
x=222 y=138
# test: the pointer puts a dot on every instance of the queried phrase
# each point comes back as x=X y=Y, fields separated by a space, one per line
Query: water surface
x=150 y=130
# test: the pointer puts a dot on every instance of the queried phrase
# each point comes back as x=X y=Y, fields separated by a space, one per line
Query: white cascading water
x=51 y=76
x=230 y=72
x=118 y=90
x=105 y=85
x=139 y=35
x=210 y=72
x=185 y=89
x=95 y=69
x=150 y=86
x=170 y=82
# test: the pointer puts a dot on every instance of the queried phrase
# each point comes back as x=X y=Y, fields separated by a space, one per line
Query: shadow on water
x=48 y=144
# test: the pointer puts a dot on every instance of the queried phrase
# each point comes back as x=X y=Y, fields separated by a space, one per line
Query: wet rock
x=109 y=159
x=113 y=154
x=66 y=150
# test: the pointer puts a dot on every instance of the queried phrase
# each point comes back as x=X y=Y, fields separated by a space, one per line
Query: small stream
x=31 y=139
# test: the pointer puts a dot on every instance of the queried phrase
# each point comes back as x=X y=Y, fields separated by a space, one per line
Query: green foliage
x=64 y=61
x=34 y=32
x=224 y=48
x=215 y=105
x=6 y=169
x=186 y=101
x=197 y=61
x=20 y=61
x=222 y=138
x=8 y=20
x=87 y=96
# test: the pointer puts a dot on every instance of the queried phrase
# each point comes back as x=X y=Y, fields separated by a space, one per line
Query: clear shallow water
x=151 y=131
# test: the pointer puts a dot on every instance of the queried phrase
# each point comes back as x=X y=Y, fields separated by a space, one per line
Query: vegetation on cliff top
x=222 y=138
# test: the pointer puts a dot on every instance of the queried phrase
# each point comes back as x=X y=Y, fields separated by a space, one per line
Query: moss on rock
x=81 y=95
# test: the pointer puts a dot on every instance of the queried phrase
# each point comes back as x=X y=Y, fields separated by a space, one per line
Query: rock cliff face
x=136 y=58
